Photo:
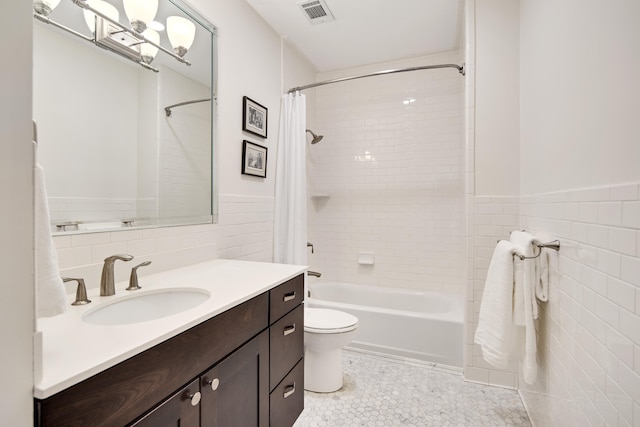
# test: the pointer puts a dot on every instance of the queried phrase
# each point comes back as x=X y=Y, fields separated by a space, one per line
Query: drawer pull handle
x=194 y=398
x=289 y=330
x=289 y=390
x=289 y=296
x=214 y=383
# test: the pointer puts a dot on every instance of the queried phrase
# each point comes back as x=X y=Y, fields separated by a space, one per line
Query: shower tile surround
x=588 y=340
x=391 y=163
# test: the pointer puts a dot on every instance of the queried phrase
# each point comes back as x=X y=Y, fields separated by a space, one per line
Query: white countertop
x=73 y=350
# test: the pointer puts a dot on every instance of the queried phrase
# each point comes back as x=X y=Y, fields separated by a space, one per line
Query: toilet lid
x=324 y=320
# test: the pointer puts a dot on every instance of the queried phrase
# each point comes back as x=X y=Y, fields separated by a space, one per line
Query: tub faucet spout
x=313 y=273
x=107 y=283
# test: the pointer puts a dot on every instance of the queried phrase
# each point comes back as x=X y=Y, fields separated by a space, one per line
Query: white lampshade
x=140 y=12
x=102 y=7
x=181 y=33
x=148 y=51
x=45 y=7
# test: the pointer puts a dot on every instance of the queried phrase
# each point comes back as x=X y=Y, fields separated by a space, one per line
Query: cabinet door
x=235 y=392
x=180 y=410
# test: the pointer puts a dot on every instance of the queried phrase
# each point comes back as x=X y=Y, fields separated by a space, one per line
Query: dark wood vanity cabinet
x=286 y=343
x=243 y=367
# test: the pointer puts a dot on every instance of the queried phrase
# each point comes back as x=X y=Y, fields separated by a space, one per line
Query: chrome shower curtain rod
x=460 y=69
x=167 y=110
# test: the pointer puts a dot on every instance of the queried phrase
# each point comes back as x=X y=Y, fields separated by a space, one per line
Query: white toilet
x=325 y=333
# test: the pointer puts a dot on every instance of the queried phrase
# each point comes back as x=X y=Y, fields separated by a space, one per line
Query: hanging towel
x=518 y=289
x=495 y=320
x=523 y=243
x=542 y=283
x=51 y=298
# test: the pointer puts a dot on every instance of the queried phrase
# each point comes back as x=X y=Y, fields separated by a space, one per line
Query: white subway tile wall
x=90 y=209
x=589 y=331
x=244 y=231
x=494 y=219
x=246 y=228
x=391 y=168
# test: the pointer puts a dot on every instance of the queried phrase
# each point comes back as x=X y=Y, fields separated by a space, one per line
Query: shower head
x=316 y=138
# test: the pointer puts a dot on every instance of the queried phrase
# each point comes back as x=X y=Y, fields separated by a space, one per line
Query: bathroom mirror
x=113 y=157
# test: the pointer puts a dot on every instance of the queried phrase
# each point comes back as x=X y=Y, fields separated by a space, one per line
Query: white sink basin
x=150 y=305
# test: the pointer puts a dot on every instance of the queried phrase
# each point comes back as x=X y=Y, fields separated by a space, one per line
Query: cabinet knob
x=214 y=383
x=194 y=398
x=289 y=390
x=289 y=330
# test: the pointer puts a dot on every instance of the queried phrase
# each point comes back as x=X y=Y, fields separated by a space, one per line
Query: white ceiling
x=367 y=31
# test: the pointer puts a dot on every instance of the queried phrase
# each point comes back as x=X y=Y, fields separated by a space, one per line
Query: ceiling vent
x=316 y=11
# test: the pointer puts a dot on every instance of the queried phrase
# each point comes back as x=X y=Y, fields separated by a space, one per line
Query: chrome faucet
x=107 y=284
x=313 y=273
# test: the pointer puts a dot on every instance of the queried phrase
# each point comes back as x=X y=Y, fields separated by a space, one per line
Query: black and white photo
x=254 y=159
x=254 y=117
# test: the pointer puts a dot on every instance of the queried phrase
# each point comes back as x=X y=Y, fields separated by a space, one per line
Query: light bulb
x=181 y=33
x=102 y=7
x=45 y=7
x=140 y=13
x=148 y=51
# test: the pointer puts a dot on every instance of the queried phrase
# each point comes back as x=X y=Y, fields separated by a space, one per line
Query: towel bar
x=555 y=245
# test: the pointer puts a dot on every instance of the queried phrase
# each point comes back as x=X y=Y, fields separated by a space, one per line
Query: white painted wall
x=248 y=65
x=579 y=183
x=497 y=151
x=579 y=93
x=580 y=175
x=16 y=214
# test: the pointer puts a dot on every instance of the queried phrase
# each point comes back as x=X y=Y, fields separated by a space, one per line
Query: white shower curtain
x=290 y=224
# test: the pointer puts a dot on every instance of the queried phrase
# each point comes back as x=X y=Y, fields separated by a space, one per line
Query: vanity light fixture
x=45 y=7
x=138 y=43
x=181 y=33
x=103 y=7
x=140 y=13
x=147 y=50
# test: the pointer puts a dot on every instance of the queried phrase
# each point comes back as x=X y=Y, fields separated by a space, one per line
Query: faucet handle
x=81 y=291
x=133 y=279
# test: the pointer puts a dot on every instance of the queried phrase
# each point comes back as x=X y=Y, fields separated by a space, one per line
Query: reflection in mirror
x=113 y=157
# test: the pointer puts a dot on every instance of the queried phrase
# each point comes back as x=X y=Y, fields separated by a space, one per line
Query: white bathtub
x=401 y=322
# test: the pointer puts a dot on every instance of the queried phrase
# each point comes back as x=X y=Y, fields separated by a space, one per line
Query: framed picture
x=254 y=117
x=254 y=159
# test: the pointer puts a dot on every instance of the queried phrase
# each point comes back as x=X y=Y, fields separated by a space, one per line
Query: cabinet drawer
x=287 y=399
x=286 y=339
x=285 y=297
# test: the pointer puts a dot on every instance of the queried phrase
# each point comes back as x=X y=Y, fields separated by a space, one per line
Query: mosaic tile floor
x=386 y=392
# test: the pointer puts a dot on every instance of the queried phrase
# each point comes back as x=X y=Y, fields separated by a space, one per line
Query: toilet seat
x=327 y=321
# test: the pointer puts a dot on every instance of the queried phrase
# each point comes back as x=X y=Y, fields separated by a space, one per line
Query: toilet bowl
x=325 y=333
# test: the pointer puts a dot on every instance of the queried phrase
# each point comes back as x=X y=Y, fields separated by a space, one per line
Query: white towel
x=51 y=298
x=523 y=243
x=542 y=284
x=518 y=295
x=495 y=320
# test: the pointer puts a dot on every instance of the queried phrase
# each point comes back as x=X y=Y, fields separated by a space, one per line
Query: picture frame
x=254 y=117
x=254 y=159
